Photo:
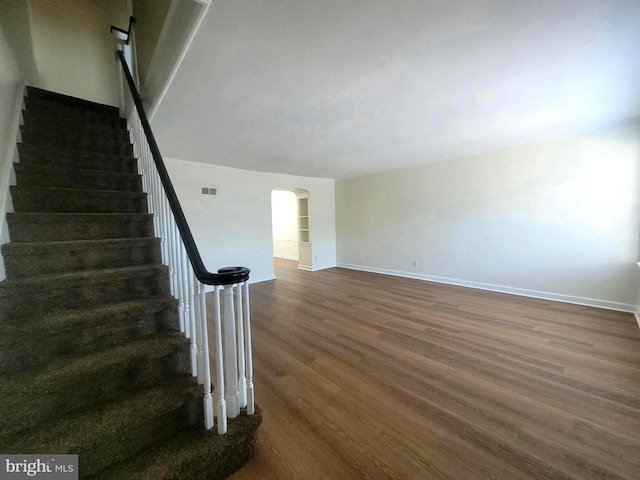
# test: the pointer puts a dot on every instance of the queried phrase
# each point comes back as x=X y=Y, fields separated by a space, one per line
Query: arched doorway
x=291 y=226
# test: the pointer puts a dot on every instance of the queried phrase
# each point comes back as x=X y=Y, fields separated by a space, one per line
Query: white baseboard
x=636 y=314
x=589 y=302
x=287 y=257
x=210 y=288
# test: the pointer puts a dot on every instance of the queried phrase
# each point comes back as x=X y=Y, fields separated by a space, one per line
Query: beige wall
x=150 y=15
x=16 y=22
x=558 y=219
x=74 y=51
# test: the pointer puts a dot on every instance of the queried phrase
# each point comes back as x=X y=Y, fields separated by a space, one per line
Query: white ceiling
x=340 y=88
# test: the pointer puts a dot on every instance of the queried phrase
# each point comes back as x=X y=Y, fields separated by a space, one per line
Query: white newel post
x=230 y=354
x=249 y=356
x=242 y=379
x=221 y=405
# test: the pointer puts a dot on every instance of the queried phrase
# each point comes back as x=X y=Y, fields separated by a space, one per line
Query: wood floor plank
x=370 y=376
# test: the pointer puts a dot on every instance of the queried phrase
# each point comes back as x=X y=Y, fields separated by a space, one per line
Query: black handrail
x=225 y=276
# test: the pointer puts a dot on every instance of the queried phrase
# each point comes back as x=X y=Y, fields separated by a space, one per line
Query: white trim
x=305 y=268
x=636 y=314
x=194 y=25
x=557 y=297
x=7 y=176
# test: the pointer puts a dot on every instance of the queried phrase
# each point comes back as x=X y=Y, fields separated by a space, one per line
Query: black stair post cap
x=234 y=274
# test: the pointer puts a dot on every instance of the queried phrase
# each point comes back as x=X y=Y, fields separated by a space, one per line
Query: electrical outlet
x=415 y=263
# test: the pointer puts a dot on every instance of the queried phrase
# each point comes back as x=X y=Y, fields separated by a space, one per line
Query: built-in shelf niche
x=304 y=234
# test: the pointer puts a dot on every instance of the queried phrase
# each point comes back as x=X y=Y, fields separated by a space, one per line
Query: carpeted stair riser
x=35 y=94
x=81 y=289
x=63 y=110
x=44 y=155
x=68 y=200
x=27 y=259
x=204 y=456
x=119 y=431
x=43 y=227
x=70 y=130
x=68 y=334
x=66 y=177
x=85 y=144
x=71 y=116
x=44 y=119
x=39 y=397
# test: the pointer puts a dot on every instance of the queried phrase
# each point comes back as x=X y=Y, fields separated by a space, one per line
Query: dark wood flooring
x=371 y=376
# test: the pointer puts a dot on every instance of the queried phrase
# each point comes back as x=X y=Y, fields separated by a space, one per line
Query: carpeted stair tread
x=63 y=157
x=78 y=289
x=35 y=175
x=49 y=248
x=76 y=200
x=41 y=258
x=35 y=93
x=74 y=142
x=199 y=455
x=120 y=430
x=77 y=332
x=38 y=227
x=92 y=379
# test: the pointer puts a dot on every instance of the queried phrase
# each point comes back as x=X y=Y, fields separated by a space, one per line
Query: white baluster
x=247 y=349
x=166 y=221
x=192 y=322
x=208 y=400
x=172 y=253
x=242 y=380
x=199 y=345
x=230 y=354
x=184 y=282
x=162 y=218
x=221 y=405
x=184 y=319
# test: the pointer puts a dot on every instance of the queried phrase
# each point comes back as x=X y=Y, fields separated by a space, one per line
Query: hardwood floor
x=370 y=376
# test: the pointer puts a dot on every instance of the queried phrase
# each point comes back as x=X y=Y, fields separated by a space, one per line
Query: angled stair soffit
x=180 y=26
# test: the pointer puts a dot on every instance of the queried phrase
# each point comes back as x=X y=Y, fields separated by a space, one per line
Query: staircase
x=92 y=360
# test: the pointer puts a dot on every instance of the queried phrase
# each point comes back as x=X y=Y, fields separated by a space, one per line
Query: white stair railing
x=188 y=280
